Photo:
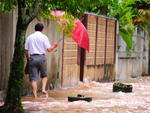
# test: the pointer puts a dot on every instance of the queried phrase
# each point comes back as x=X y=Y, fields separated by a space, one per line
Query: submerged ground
x=104 y=100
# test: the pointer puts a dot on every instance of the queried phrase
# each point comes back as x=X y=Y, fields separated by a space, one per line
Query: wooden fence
x=70 y=64
x=6 y=47
x=99 y=63
x=7 y=37
x=100 y=60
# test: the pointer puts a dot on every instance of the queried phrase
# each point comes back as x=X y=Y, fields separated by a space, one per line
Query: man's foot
x=35 y=96
x=44 y=93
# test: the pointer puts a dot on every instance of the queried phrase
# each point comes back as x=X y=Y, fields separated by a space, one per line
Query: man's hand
x=53 y=47
x=27 y=54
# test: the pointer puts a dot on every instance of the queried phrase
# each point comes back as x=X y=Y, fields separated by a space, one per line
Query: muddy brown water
x=103 y=99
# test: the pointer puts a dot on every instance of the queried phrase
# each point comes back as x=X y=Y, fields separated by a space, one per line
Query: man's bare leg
x=34 y=88
x=44 y=82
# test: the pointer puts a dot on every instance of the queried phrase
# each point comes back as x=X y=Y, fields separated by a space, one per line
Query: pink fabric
x=80 y=34
x=58 y=13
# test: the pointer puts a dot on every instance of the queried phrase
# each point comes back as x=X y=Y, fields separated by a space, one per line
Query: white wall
x=135 y=64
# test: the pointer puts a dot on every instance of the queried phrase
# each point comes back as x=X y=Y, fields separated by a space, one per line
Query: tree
x=27 y=11
x=124 y=13
x=143 y=9
x=128 y=15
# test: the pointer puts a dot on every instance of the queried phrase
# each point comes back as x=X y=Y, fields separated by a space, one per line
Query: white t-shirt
x=37 y=43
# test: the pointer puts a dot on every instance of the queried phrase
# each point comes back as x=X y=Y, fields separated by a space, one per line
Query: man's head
x=39 y=27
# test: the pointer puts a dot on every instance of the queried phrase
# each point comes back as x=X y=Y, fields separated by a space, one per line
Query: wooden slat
x=100 y=53
x=99 y=73
x=89 y=73
x=70 y=52
x=110 y=42
x=70 y=46
x=91 y=27
x=70 y=75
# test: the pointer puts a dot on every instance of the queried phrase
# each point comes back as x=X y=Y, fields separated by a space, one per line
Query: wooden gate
x=98 y=64
x=100 y=60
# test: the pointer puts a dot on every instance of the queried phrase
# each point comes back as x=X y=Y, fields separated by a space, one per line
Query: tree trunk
x=13 y=98
x=15 y=84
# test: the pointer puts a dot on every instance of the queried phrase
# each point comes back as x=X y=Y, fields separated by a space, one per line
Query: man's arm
x=52 y=48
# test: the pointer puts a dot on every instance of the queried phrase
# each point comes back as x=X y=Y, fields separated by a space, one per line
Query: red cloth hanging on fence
x=80 y=34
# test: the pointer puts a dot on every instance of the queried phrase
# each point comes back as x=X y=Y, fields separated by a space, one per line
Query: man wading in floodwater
x=36 y=46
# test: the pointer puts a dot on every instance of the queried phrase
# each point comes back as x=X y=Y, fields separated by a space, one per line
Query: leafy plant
x=124 y=13
x=66 y=22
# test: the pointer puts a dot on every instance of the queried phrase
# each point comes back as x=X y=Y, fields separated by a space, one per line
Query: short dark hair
x=39 y=27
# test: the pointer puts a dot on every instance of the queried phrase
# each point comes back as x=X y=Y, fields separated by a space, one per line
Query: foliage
x=142 y=4
x=65 y=22
x=7 y=5
x=144 y=25
x=97 y=7
x=143 y=9
x=71 y=7
x=124 y=13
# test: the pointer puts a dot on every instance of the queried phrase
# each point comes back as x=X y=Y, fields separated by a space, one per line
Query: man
x=36 y=46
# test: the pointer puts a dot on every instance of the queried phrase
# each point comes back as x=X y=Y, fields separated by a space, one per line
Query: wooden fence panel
x=70 y=75
x=89 y=70
x=99 y=73
x=102 y=44
x=101 y=33
x=91 y=27
x=6 y=39
x=70 y=51
x=110 y=44
x=100 y=49
x=62 y=65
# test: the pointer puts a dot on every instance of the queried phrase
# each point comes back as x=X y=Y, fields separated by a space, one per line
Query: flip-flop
x=44 y=92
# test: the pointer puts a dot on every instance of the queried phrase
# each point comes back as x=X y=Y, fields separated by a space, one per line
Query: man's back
x=37 y=43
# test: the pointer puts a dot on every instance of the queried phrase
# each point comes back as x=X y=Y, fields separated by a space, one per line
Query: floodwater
x=103 y=99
